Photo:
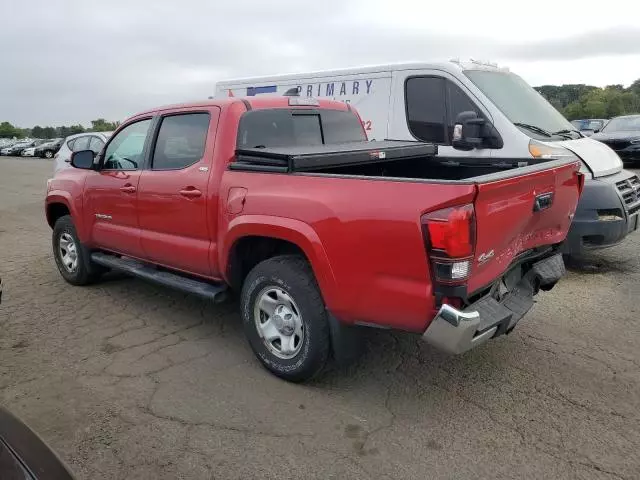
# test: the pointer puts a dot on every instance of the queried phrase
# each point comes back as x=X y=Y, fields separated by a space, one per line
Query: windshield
x=519 y=102
x=587 y=124
x=623 y=124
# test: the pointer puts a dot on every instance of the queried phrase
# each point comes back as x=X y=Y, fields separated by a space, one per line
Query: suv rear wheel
x=285 y=318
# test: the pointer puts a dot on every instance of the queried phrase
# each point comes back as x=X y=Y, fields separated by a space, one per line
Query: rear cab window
x=292 y=127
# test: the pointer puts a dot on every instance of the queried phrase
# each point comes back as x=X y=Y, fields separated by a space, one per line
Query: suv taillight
x=450 y=238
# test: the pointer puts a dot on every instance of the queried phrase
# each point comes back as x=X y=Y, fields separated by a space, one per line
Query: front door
x=432 y=102
x=111 y=193
x=173 y=193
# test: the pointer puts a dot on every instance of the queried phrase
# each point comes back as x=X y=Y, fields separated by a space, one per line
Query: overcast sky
x=70 y=61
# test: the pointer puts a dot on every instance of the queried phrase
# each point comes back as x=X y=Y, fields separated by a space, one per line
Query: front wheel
x=71 y=257
x=48 y=154
x=285 y=318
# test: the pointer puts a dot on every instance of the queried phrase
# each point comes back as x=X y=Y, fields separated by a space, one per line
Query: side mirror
x=82 y=159
x=468 y=131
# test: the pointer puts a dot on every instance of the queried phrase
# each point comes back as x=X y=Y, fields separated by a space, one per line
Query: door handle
x=128 y=189
x=190 y=193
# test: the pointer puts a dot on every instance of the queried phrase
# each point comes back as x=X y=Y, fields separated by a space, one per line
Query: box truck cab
x=444 y=103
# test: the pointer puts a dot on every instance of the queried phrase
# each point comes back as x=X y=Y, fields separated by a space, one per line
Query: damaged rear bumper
x=456 y=331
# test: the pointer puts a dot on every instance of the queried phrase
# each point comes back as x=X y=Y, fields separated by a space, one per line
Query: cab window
x=426 y=108
x=125 y=150
x=287 y=128
x=181 y=141
x=432 y=104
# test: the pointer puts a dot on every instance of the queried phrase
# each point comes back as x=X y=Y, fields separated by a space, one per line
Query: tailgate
x=519 y=213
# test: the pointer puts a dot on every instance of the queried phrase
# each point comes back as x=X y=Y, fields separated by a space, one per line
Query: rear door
x=517 y=214
x=173 y=196
x=111 y=193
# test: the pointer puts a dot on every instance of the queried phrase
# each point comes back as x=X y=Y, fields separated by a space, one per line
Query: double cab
x=283 y=201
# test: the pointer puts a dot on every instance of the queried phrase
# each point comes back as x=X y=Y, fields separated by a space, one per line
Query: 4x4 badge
x=485 y=257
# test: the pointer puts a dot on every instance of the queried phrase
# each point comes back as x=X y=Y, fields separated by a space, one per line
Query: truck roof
x=256 y=103
x=452 y=66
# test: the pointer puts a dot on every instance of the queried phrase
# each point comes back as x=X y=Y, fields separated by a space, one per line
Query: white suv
x=75 y=143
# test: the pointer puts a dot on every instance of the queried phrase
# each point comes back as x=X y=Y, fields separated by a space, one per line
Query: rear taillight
x=581 y=179
x=450 y=238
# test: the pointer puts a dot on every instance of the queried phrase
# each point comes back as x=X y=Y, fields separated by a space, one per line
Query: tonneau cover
x=306 y=158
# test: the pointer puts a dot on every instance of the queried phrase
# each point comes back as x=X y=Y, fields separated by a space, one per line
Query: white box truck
x=508 y=118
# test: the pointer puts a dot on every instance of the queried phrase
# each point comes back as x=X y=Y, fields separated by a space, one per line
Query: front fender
x=291 y=230
x=74 y=207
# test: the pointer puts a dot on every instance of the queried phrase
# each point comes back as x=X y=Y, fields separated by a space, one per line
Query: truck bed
x=388 y=159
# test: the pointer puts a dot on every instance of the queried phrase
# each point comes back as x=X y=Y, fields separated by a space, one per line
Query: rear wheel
x=285 y=318
x=71 y=257
x=48 y=154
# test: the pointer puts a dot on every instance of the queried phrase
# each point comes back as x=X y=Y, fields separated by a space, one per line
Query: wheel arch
x=253 y=238
x=58 y=204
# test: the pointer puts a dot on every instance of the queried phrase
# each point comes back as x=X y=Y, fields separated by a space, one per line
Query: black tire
x=47 y=154
x=85 y=272
x=293 y=275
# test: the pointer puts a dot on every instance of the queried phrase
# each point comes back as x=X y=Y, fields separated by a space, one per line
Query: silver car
x=75 y=143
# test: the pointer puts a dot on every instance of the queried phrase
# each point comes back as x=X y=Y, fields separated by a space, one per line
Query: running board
x=215 y=292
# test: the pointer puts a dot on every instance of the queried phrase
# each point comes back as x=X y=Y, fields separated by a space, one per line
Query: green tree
x=48 y=132
x=585 y=101
x=37 y=131
x=9 y=131
x=73 y=129
x=101 y=125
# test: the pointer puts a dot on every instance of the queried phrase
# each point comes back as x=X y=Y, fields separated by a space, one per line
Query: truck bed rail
x=306 y=158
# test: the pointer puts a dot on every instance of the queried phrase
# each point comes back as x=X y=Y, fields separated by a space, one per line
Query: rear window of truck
x=288 y=128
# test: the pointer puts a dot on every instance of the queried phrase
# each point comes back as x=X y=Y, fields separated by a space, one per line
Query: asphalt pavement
x=128 y=380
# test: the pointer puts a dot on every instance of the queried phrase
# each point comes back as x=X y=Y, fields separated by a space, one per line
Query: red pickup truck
x=283 y=200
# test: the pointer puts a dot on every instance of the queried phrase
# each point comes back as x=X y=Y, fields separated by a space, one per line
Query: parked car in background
x=589 y=126
x=49 y=149
x=75 y=143
x=28 y=152
x=29 y=149
x=622 y=134
x=6 y=148
x=16 y=148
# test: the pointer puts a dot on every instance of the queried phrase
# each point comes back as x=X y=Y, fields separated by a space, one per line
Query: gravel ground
x=128 y=380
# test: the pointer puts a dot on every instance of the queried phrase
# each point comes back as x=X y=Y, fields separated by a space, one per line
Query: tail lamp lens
x=450 y=241
x=451 y=230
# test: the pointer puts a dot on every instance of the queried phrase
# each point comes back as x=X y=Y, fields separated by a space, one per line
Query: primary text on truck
x=277 y=212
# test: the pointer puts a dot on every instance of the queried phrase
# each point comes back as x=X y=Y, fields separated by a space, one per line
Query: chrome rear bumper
x=456 y=331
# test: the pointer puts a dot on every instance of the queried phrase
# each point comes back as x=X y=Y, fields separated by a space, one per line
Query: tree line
x=586 y=101
x=7 y=130
x=573 y=101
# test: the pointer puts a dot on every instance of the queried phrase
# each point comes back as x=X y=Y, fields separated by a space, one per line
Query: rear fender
x=291 y=230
